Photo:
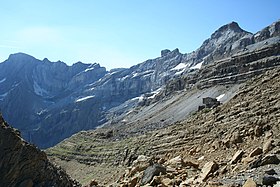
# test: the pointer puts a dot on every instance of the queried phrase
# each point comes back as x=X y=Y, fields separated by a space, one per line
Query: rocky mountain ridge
x=58 y=100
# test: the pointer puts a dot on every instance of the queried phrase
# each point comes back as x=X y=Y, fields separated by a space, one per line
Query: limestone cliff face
x=29 y=88
x=24 y=165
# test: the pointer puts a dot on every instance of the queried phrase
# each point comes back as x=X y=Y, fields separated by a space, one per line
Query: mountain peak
x=165 y=52
x=19 y=56
x=232 y=27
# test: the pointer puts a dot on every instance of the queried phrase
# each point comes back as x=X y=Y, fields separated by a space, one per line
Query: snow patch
x=89 y=69
x=42 y=111
x=180 y=72
x=145 y=73
x=84 y=98
x=135 y=75
x=123 y=78
x=179 y=66
x=129 y=112
x=197 y=66
x=135 y=98
x=38 y=90
x=3 y=80
x=156 y=92
x=141 y=98
x=220 y=97
x=113 y=73
x=63 y=111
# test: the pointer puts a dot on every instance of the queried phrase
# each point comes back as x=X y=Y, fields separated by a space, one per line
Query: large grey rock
x=237 y=156
x=152 y=171
x=270 y=159
x=269 y=180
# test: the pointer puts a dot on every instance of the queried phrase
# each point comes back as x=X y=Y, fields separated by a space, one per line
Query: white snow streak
x=220 y=97
x=84 y=98
x=3 y=80
x=197 y=66
x=180 y=72
x=89 y=69
x=180 y=66
x=4 y=95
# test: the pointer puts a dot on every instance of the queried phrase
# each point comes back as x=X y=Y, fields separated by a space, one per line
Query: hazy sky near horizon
x=121 y=33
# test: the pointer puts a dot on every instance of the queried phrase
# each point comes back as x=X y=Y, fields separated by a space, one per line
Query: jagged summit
x=20 y=57
x=230 y=27
x=166 y=52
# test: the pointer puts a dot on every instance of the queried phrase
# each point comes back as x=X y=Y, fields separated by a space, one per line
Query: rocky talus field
x=234 y=144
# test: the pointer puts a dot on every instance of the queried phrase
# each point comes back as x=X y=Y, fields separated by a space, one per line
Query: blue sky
x=121 y=33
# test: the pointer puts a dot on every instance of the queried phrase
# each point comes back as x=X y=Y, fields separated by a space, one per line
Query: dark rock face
x=152 y=171
x=269 y=180
x=165 y=52
x=270 y=159
x=22 y=164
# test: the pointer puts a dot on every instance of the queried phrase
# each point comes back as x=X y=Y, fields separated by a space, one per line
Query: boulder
x=133 y=171
x=133 y=182
x=140 y=164
x=208 y=168
x=269 y=180
x=156 y=181
x=93 y=183
x=256 y=152
x=236 y=157
x=250 y=183
x=248 y=159
x=175 y=162
x=236 y=138
x=166 y=182
x=270 y=159
x=256 y=163
x=258 y=131
x=191 y=163
x=267 y=146
x=152 y=171
x=270 y=172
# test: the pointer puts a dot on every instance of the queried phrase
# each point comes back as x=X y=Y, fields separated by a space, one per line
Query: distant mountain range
x=50 y=101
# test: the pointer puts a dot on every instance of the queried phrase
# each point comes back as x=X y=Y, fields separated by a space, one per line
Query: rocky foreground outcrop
x=24 y=165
